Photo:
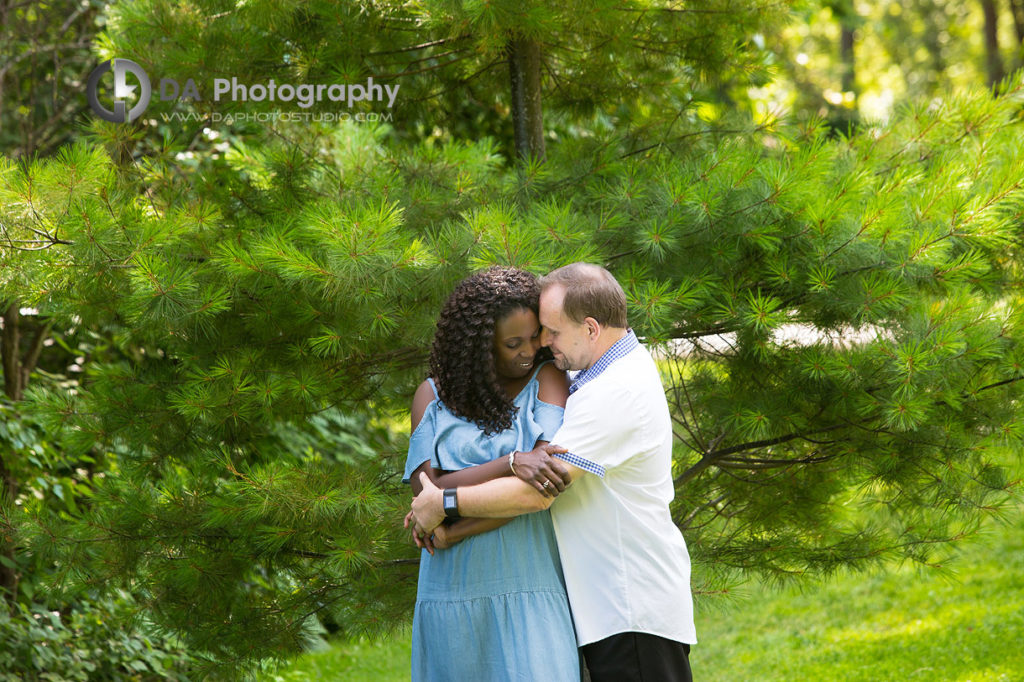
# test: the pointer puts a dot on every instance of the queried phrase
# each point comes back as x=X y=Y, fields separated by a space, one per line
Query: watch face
x=450 y=503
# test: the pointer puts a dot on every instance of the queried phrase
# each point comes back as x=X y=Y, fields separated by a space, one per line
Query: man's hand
x=427 y=509
x=422 y=541
x=545 y=473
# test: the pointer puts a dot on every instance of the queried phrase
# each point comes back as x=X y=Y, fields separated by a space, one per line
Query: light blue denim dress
x=493 y=607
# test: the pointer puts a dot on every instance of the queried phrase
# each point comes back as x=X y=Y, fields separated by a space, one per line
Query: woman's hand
x=545 y=473
x=443 y=537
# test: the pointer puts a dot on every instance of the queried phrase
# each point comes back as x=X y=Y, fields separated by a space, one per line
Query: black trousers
x=637 y=657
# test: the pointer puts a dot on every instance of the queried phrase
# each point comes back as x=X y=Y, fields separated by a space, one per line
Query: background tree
x=456 y=62
x=904 y=51
x=1017 y=16
x=993 y=56
x=47 y=51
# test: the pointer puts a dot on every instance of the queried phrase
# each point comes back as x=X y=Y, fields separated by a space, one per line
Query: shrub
x=95 y=640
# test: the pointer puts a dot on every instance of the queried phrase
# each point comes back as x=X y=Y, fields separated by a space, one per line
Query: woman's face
x=516 y=342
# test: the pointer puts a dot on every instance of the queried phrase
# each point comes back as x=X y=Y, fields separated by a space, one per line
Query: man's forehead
x=552 y=297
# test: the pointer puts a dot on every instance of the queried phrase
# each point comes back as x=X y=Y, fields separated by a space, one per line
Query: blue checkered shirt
x=620 y=349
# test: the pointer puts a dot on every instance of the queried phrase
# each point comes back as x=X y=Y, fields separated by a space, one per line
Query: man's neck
x=609 y=337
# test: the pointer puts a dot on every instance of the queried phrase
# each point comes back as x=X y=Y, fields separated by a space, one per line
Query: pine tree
x=274 y=303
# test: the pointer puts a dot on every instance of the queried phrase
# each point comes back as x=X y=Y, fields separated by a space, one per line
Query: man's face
x=569 y=341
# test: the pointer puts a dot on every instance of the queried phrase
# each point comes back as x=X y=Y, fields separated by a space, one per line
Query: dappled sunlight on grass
x=912 y=628
x=906 y=624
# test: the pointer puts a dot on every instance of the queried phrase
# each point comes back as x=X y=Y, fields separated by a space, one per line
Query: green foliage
x=635 y=63
x=97 y=640
x=50 y=483
x=896 y=52
x=305 y=532
x=46 y=60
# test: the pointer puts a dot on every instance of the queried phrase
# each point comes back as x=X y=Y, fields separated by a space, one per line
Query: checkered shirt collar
x=620 y=349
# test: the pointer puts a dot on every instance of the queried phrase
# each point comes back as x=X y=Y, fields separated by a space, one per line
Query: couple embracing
x=542 y=506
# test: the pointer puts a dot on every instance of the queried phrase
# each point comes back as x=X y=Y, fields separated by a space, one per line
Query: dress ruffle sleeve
x=545 y=421
x=421 y=442
x=451 y=443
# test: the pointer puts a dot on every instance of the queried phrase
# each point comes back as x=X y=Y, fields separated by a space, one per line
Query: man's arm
x=499 y=498
x=536 y=465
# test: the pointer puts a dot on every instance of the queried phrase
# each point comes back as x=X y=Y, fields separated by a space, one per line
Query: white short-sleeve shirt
x=625 y=562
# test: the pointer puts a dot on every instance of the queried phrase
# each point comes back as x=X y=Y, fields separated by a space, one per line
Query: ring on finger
x=547 y=484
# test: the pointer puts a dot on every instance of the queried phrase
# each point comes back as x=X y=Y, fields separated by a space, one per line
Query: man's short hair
x=590 y=291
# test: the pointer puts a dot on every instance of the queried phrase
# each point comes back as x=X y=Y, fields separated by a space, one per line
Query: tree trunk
x=845 y=116
x=933 y=28
x=8 y=486
x=993 y=60
x=11 y=353
x=527 y=116
x=849 y=77
x=1017 y=12
x=8 y=572
x=16 y=369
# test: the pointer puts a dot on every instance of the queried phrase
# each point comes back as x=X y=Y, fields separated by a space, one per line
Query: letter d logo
x=121 y=68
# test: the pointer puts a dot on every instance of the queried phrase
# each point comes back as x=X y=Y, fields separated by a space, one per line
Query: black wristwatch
x=450 y=503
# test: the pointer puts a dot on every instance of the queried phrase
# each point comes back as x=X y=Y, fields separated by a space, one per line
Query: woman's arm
x=481 y=473
x=449 y=479
x=448 y=534
x=458 y=530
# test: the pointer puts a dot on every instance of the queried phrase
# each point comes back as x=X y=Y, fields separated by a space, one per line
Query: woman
x=491 y=602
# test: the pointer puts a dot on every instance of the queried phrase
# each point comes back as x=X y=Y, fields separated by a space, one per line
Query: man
x=627 y=570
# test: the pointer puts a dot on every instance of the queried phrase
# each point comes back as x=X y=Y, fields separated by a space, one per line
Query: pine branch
x=685 y=523
x=421 y=46
x=425 y=69
x=757 y=464
x=711 y=457
x=783 y=5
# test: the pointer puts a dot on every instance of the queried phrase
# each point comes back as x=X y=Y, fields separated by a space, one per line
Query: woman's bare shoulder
x=424 y=396
x=553 y=385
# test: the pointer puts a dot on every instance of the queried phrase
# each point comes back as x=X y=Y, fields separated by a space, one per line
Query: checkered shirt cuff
x=582 y=463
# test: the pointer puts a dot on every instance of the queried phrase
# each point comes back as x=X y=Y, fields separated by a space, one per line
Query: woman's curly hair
x=462 y=357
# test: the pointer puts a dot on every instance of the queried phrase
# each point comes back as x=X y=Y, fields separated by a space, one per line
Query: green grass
x=905 y=624
x=360 y=661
